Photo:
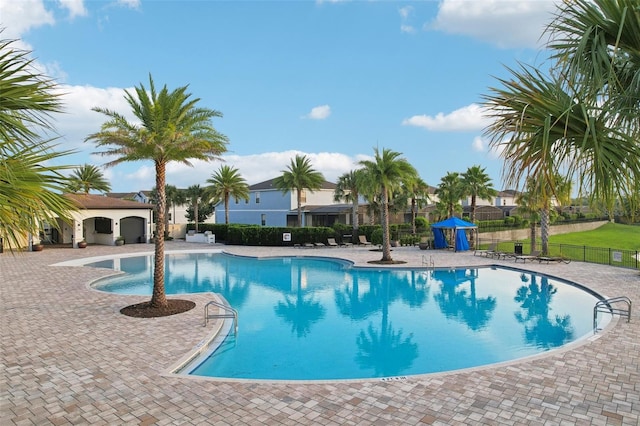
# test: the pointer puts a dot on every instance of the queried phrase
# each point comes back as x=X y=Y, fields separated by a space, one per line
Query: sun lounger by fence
x=488 y=252
x=531 y=257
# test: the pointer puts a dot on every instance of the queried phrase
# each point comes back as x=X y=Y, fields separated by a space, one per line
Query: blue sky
x=327 y=79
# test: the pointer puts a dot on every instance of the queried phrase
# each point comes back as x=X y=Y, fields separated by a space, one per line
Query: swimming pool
x=303 y=318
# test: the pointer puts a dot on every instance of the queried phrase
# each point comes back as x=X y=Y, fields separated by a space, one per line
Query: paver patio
x=69 y=357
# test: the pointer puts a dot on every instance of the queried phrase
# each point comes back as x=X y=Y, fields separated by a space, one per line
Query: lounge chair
x=524 y=257
x=319 y=245
x=331 y=242
x=363 y=240
x=549 y=259
x=488 y=252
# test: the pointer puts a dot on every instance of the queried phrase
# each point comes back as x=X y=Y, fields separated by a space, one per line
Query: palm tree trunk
x=544 y=230
x=299 y=199
x=226 y=209
x=354 y=220
x=159 y=298
x=195 y=211
x=386 y=244
x=473 y=218
x=413 y=216
x=533 y=235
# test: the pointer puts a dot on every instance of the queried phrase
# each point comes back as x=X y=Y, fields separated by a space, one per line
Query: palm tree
x=348 y=189
x=172 y=128
x=477 y=183
x=546 y=130
x=194 y=195
x=28 y=97
x=299 y=176
x=529 y=205
x=175 y=197
x=596 y=45
x=30 y=188
x=226 y=183
x=418 y=191
x=386 y=173
x=88 y=178
x=450 y=192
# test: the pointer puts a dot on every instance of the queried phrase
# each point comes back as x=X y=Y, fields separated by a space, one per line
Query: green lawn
x=611 y=235
x=597 y=246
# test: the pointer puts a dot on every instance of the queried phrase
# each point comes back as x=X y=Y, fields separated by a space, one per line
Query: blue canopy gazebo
x=459 y=228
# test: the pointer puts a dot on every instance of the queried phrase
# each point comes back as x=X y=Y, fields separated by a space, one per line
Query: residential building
x=268 y=206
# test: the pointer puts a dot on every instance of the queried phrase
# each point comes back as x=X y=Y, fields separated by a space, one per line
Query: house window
x=263 y=219
x=103 y=225
x=257 y=198
x=303 y=196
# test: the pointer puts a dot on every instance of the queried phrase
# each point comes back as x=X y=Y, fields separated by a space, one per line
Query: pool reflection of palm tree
x=351 y=303
x=301 y=312
x=460 y=304
x=234 y=289
x=539 y=329
x=385 y=350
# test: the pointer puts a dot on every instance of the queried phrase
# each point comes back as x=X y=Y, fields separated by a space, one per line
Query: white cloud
x=257 y=167
x=18 y=17
x=75 y=7
x=319 y=113
x=505 y=23
x=468 y=118
x=78 y=120
x=405 y=13
x=478 y=144
x=132 y=4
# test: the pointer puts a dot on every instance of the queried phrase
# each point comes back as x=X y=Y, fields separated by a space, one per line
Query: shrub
x=376 y=236
x=421 y=222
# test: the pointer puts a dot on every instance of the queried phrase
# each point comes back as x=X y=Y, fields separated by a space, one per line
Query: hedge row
x=255 y=235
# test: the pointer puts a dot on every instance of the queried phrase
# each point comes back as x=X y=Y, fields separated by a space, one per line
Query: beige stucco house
x=101 y=220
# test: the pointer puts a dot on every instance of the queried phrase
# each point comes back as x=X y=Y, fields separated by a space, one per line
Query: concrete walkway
x=69 y=357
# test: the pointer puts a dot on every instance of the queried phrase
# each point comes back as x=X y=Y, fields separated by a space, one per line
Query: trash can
x=517 y=248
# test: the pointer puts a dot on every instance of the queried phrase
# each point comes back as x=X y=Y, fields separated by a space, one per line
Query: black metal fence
x=600 y=255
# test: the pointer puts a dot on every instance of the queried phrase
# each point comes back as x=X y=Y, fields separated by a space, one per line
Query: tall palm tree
x=596 y=44
x=477 y=183
x=194 y=195
x=386 y=172
x=546 y=130
x=175 y=197
x=450 y=192
x=30 y=188
x=226 y=183
x=172 y=128
x=418 y=191
x=87 y=178
x=529 y=205
x=299 y=176
x=348 y=189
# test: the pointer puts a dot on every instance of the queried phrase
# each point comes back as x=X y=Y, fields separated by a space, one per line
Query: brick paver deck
x=69 y=357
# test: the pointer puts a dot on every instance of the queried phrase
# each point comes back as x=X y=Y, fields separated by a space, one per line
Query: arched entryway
x=133 y=230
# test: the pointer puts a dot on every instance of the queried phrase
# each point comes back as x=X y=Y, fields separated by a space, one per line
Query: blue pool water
x=306 y=318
